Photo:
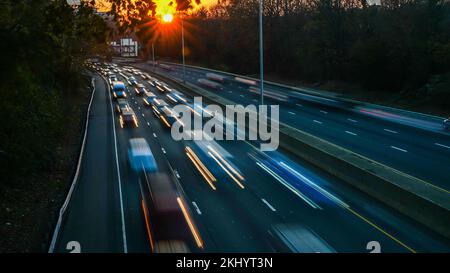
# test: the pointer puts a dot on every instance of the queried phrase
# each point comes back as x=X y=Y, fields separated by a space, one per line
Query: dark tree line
x=44 y=45
x=399 y=45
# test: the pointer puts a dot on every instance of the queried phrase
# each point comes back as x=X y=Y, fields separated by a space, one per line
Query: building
x=126 y=47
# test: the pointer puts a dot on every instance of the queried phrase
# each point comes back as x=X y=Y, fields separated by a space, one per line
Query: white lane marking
x=197 y=209
x=135 y=102
x=143 y=115
x=139 y=107
x=163 y=150
x=241 y=96
x=391 y=131
x=298 y=104
x=154 y=135
x=255 y=100
x=177 y=174
x=124 y=235
x=292 y=113
x=316 y=121
x=352 y=120
x=399 y=149
x=230 y=92
x=289 y=187
x=351 y=133
x=323 y=112
x=442 y=145
x=268 y=204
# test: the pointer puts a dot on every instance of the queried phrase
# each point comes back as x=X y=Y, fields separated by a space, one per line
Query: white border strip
x=75 y=178
x=122 y=215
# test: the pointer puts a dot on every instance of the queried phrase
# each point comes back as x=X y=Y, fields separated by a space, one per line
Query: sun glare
x=167 y=18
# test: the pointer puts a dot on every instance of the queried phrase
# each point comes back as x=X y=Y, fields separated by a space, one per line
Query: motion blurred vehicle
x=297 y=238
x=215 y=77
x=210 y=84
x=158 y=105
x=176 y=97
x=132 y=80
x=145 y=76
x=167 y=116
x=446 y=124
x=169 y=222
x=112 y=78
x=140 y=89
x=119 y=90
x=140 y=156
x=128 y=118
x=122 y=105
x=148 y=98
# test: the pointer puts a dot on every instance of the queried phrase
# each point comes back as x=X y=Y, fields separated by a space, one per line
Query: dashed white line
x=442 y=145
x=268 y=204
x=292 y=113
x=298 y=104
x=351 y=133
x=148 y=123
x=391 y=131
x=143 y=115
x=352 y=120
x=323 y=112
x=177 y=174
x=163 y=150
x=241 y=96
x=399 y=149
x=197 y=209
x=154 y=135
x=316 y=121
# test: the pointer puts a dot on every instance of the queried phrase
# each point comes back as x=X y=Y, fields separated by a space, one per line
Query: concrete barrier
x=411 y=196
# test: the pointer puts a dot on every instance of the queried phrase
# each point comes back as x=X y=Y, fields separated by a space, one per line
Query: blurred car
x=446 y=124
x=128 y=118
x=132 y=80
x=157 y=105
x=145 y=76
x=122 y=105
x=176 y=97
x=140 y=156
x=210 y=84
x=167 y=116
x=112 y=78
x=140 y=89
x=119 y=90
x=148 y=98
x=297 y=238
x=169 y=222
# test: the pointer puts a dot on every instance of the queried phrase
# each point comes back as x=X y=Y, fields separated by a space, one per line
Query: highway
x=104 y=213
x=409 y=142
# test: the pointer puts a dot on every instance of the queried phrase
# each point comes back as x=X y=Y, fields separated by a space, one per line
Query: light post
x=182 y=48
x=261 y=50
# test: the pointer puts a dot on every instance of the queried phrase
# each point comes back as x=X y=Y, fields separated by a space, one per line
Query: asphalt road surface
x=104 y=213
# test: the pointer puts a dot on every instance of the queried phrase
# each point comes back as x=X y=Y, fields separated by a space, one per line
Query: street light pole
x=182 y=49
x=153 y=54
x=261 y=50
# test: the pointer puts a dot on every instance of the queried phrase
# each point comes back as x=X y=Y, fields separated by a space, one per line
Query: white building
x=126 y=47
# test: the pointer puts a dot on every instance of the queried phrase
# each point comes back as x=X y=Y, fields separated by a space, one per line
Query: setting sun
x=167 y=18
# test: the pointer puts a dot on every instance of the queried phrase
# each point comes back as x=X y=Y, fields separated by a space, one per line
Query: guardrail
x=411 y=196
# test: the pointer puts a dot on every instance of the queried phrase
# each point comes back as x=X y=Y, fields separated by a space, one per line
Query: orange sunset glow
x=104 y=5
